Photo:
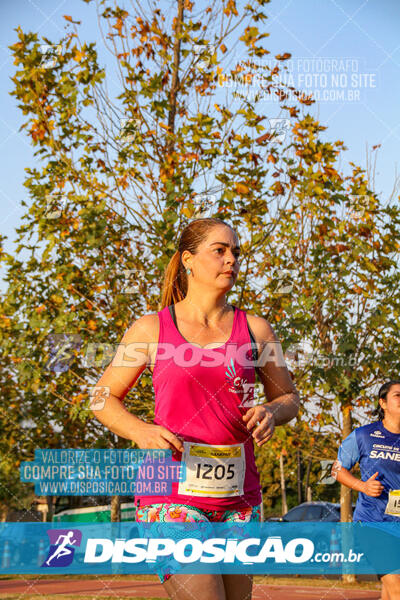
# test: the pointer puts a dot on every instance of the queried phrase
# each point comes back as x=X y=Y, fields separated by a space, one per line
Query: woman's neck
x=391 y=424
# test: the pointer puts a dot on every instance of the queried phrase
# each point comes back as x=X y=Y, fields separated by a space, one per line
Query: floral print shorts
x=183 y=513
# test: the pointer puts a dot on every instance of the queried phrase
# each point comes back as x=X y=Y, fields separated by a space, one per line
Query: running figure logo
x=236 y=382
x=251 y=392
x=61 y=554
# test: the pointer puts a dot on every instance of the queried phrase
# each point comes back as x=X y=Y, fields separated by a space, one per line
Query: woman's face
x=391 y=405
x=216 y=255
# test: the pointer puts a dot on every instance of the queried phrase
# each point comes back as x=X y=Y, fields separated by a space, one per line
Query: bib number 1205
x=213 y=471
x=205 y=471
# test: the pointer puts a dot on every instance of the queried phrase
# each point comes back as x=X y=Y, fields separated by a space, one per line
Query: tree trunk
x=3 y=513
x=307 y=489
x=116 y=529
x=283 y=485
x=299 y=476
x=175 y=75
x=115 y=509
x=346 y=511
x=50 y=511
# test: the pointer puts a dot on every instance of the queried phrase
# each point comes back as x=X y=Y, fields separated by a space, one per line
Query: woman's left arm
x=283 y=399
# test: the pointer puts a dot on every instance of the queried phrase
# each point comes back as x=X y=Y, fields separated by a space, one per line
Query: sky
x=347 y=51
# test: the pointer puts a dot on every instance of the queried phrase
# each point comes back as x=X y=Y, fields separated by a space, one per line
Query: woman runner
x=205 y=410
x=375 y=447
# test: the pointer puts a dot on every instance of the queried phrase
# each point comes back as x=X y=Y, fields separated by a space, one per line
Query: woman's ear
x=382 y=403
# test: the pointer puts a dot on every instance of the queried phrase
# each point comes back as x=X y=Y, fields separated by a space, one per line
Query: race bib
x=216 y=471
x=393 y=504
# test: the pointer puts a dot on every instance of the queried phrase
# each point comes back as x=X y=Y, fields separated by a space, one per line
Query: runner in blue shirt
x=376 y=447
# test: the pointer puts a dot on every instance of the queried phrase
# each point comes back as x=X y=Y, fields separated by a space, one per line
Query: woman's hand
x=371 y=487
x=157 y=436
x=262 y=417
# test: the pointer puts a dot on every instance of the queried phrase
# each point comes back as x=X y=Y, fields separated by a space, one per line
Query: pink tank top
x=203 y=403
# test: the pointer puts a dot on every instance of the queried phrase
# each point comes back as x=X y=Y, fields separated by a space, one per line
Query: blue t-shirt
x=375 y=449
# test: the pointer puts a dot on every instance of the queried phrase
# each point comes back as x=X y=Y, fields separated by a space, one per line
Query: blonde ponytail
x=174 y=287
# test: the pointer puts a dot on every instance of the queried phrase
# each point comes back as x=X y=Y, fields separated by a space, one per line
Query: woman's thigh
x=238 y=587
x=209 y=587
x=195 y=587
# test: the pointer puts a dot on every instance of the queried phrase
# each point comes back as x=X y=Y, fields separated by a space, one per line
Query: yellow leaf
x=187 y=212
x=78 y=398
x=78 y=56
x=56 y=299
x=283 y=56
x=241 y=188
x=278 y=188
x=70 y=19
x=231 y=8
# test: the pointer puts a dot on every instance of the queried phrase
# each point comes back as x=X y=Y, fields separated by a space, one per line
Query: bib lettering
x=393 y=504
x=216 y=471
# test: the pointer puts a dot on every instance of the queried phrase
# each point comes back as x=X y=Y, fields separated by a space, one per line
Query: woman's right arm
x=119 y=377
x=371 y=487
x=348 y=456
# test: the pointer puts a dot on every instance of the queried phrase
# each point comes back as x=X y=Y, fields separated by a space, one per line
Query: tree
x=340 y=247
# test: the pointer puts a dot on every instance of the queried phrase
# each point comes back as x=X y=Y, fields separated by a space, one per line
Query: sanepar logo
x=189 y=550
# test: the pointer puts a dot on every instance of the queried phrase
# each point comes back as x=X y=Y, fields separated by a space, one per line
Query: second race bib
x=216 y=471
x=393 y=505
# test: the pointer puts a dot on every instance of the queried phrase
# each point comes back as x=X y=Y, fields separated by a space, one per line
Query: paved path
x=149 y=589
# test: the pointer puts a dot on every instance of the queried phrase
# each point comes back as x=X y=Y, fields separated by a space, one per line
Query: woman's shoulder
x=261 y=328
x=147 y=327
x=373 y=429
